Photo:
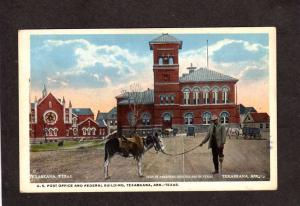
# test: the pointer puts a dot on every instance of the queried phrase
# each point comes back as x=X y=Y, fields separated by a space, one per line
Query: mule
x=136 y=147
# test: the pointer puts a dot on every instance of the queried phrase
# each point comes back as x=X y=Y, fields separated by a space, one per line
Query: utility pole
x=207 y=53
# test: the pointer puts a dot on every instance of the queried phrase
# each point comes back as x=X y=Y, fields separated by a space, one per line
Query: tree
x=135 y=97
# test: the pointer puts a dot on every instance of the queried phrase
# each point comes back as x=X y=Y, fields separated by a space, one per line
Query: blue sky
x=114 y=60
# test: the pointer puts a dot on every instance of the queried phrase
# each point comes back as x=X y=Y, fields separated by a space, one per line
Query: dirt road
x=244 y=160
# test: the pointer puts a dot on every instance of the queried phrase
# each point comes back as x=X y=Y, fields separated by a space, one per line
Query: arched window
x=167 y=99
x=55 y=131
x=215 y=95
x=186 y=96
x=161 y=99
x=75 y=131
x=206 y=95
x=146 y=119
x=93 y=131
x=46 y=132
x=84 y=131
x=206 y=117
x=50 y=104
x=88 y=131
x=172 y=99
x=167 y=117
x=171 y=60
x=225 y=95
x=196 y=95
x=224 y=117
x=160 y=60
x=188 y=118
x=74 y=121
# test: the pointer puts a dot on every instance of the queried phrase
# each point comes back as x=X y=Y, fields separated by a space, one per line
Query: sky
x=90 y=70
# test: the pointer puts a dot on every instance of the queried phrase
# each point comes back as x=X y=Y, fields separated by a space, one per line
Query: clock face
x=50 y=117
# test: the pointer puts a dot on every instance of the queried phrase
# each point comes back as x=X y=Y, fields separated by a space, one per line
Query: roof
x=260 y=117
x=82 y=111
x=204 y=74
x=112 y=114
x=101 y=122
x=145 y=97
x=165 y=38
x=246 y=110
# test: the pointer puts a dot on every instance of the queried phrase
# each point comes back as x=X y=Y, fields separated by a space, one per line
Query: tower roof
x=205 y=75
x=164 y=39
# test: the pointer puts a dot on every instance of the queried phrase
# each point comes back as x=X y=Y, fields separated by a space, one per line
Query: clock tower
x=166 y=80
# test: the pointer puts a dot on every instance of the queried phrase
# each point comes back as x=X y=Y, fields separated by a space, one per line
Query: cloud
x=231 y=57
x=91 y=65
x=253 y=73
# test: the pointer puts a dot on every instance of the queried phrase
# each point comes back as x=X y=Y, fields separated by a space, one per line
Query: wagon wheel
x=237 y=134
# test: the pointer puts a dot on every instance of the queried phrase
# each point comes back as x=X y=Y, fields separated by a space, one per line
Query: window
x=146 y=119
x=224 y=117
x=84 y=131
x=261 y=126
x=206 y=96
x=75 y=131
x=46 y=132
x=161 y=99
x=93 y=131
x=88 y=131
x=55 y=130
x=206 y=117
x=167 y=100
x=267 y=125
x=225 y=95
x=32 y=117
x=171 y=60
x=196 y=96
x=186 y=96
x=167 y=117
x=188 y=118
x=215 y=96
x=172 y=99
x=74 y=121
x=160 y=60
x=50 y=104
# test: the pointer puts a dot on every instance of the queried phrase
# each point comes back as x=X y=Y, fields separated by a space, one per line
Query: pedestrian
x=216 y=139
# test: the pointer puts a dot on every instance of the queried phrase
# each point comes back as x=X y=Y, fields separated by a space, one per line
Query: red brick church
x=178 y=102
x=51 y=118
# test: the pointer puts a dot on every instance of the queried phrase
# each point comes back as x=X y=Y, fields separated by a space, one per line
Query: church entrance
x=167 y=121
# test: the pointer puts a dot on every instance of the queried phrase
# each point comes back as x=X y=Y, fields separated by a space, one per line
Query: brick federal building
x=179 y=102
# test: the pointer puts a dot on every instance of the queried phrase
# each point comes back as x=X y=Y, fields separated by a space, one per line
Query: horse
x=136 y=146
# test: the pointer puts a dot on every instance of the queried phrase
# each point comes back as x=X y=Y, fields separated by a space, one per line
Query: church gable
x=51 y=101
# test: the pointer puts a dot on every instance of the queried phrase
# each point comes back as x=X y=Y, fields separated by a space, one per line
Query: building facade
x=50 y=118
x=109 y=119
x=179 y=102
x=257 y=120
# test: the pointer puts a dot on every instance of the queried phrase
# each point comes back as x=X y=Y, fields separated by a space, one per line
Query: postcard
x=168 y=109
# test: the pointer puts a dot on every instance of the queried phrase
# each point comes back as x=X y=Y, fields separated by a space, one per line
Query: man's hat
x=214 y=117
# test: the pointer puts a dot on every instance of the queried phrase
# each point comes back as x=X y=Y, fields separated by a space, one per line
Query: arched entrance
x=167 y=120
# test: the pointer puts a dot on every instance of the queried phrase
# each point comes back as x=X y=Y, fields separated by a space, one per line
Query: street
x=244 y=160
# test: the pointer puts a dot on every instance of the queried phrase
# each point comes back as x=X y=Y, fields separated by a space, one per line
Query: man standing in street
x=216 y=138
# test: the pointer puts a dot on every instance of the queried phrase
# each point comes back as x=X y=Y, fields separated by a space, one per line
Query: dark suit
x=217 y=138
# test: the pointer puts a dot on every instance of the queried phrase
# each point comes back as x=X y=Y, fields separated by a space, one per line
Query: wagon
x=190 y=131
x=251 y=132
